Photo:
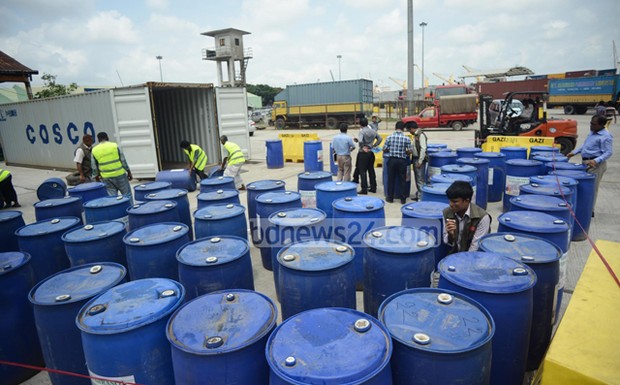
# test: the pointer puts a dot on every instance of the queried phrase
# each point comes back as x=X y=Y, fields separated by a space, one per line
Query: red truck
x=455 y=111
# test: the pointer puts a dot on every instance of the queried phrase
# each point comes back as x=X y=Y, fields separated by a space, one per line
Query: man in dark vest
x=82 y=162
x=464 y=222
x=419 y=157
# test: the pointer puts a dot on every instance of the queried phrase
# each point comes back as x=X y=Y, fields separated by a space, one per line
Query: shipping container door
x=132 y=113
x=232 y=116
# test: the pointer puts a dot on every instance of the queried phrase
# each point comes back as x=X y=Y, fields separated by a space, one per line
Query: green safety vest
x=197 y=156
x=108 y=159
x=235 y=156
x=4 y=174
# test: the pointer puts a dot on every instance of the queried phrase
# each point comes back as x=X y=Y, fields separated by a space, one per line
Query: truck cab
x=454 y=111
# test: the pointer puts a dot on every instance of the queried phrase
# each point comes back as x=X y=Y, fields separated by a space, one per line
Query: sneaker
x=16 y=205
x=389 y=200
x=403 y=200
x=362 y=192
x=373 y=190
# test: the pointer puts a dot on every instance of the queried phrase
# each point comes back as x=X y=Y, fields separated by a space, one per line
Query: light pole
x=423 y=24
x=339 y=73
x=161 y=77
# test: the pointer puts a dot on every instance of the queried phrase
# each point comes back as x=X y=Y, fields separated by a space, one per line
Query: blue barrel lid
x=539 y=203
x=436 y=145
x=267 y=184
x=437 y=320
x=216 y=195
x=469 y=149
x=399 y=239
x=152 y=207
x=314 y=175
x=524 y=162
x=533 y=221
x=474 y=160
x=436 y=188
x=157 y=185
x=94 y=231
x=426 y=210
x=450 y=178
x=315 y=255
x=575 y=174
x=221 y=322
x=297 y=217
x=545 y=189
x=486 y=272
x=8 y=215
x=12 y=260
x=458 y=168
x=107 y=202
x=87 y=187
x=170 y=193
x=55 y=202
x=130 y=305
x=567 y=166
x=213 y=251
x=358 y=204
x=336 y=186
x=490 y=154
x=216 y=181
x=554 y=179
x=544 y=149
x=524 y=248
x=549 y=158
x=155 y=234
x=47 y=226
x=77 y=284
x=329 y=346
x=278 y=197
x=219 y=211
x=443 y=154
x=512 y=148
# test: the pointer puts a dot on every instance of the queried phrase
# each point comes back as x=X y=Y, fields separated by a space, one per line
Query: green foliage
x=267 y=93
x=53 y=89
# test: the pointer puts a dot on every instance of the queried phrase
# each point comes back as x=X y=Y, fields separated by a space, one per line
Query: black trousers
x=7 y=191
x=366 y=166
x=397 y=171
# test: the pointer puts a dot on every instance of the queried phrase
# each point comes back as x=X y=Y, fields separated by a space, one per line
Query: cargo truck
x=323 y=104
x=455 y=111
x=577 y=94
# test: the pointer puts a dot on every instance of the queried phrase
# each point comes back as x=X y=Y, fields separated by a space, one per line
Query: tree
x=53 y=89
x=267 y=93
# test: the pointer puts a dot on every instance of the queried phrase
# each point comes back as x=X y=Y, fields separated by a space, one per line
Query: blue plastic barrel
x=124 y=331
x=544 y=258
x=439 y=146
x=557 y=166
x=397 y=258
x=228 y=219
x=324 y=346
x=514 y=152
x=43 y=241
x=254 y=189
x=215 y=171
x=180 y=197
x=107 y=209
x=305 y=185
x=546 y=159
x=142 y=190
x=217 y=183
x=559 y=180
x=152 y=212
x=151 y=250
x=9 y=222
x=438 y=159
x=178 y=178
x=543 y=203
x=57 y=301
x=518 y=172
x=215 y=263
x=18 y=332
x=504 y=287
x=316 y=274
x=431 y=326
x=274 y=153
x=220 y=197
x=88 y=191
x=267 y=204
x=585 y=198
x=450 y=178
x=59 y=207
x=313 y=155
x=482 y=178
x=52 y=188
x=497 y=174
x=354 y=217
x=427 y=216
x=467 y=152
x=96 y=242
x=221 y=337
x=333 y=164
x=435 y=193
x=328 y=192
x=465 y=169
x=560 y=192
x=549 y=150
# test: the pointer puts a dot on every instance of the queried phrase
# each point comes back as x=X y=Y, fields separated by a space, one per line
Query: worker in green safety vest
x=233 y=161
x=110 y=167
x=197 y=158
x=8 y=196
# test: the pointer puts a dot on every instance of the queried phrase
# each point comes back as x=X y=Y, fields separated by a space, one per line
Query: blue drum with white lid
x=9 y=222
x=560 y=192
x=435 y=192
x=559 y=180
x=325 y=346
x=215 y=263
x=328 y=192
x=217 y=183
x=544 y=203
x=218 y=197
x=142 y=190
x=151 y=212
x=306 y=182
x=550 y=150
x=89 y=191
x=585 y=198
x=440 y=146
x=513 y=152
x=504 y=287
x=316 y=274
x=467 y=152
x=51 y=188
x=107 y=209
x=427 y=216
x=481 y=191
x=59 y=207
x=96 y=242
x=432 y=325
x=221 y=219
x=556 y=166
x=497 y=174
x=179 y=196
x=548 y=158
x=436 y=160
x=255 y=189
x=124 y=331
x=450 y=178
x=518 y=173
x=465 y=169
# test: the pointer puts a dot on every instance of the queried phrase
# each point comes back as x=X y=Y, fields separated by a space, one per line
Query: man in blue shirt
x=595 y=150
x=398 y=146
x=343 y=145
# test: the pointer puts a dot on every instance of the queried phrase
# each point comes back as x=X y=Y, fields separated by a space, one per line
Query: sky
x=115 y=42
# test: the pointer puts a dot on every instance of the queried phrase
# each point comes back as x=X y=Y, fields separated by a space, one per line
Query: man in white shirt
x=82 y=162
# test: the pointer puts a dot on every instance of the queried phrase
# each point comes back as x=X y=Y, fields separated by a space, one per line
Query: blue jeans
x=117 y=183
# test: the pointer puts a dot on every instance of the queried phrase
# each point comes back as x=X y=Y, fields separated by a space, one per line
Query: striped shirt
x=397 y=145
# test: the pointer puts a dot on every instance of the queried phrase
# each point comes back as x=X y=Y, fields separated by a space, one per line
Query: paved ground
x=604 y=225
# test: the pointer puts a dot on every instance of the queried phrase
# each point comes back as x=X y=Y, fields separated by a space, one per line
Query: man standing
x=7 y=191
x=399 y=147
x=342 y=145
x=419 y=156
x=109 y=165
x=365 y=164
x=595 y=150
x=374 y=124
x=233 y=161
x=610 y=113
x=197 y=158
x=82 y=161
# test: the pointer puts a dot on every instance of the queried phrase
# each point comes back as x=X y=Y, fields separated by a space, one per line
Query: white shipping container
x=148 y=122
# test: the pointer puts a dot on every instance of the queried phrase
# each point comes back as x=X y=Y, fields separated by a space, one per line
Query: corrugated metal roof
x=8 y=65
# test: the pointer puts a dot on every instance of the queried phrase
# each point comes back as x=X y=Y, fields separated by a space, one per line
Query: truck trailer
x=324 y=104
x=575 y=95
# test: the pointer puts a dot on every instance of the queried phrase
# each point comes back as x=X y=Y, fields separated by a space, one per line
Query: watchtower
x=229 y=50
